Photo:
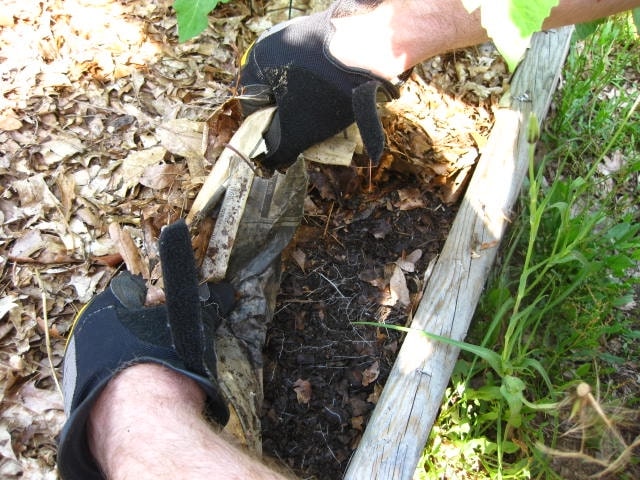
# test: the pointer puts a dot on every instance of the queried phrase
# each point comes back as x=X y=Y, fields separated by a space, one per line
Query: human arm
x=399 y=34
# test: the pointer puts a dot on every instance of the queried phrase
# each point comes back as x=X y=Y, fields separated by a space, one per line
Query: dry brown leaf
x=60 y=149
x=409 y=199
x=222 y=124
x=398 y=288
x=66 y=188
x=136 y=163
x=300 y=258
x=38 y=400
x=375 y=396
x=9 y=121
x=161 y=176
x=370 y=374
x=35 y=196
x=303 y=391
x=408 y=263
x=184 y=137
x=85 y=285
x=130 y=254
x=357 y=422
x=7 y=304
x=27 y=245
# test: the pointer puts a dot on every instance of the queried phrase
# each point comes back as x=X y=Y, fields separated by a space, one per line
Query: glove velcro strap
x=181 y=292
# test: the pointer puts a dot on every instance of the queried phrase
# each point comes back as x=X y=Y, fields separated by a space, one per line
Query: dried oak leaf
x=303 y=391
x=398 y=288
x=370 y=374
x=161 y=176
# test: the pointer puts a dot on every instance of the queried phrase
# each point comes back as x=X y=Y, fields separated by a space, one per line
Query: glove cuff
x=75 y=460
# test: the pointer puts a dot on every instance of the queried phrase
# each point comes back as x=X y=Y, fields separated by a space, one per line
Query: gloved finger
x=366 y=115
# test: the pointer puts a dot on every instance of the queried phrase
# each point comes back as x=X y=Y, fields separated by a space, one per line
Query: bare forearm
x=570 y=12
x=401 y=33
x=148 y=424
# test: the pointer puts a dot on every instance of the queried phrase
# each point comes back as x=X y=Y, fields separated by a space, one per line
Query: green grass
x=553 y=309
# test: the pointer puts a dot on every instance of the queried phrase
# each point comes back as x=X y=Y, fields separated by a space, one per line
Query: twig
x=326 y=225
x=47 y=338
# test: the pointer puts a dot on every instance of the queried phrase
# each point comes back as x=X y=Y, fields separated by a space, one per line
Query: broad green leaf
x=635 y=13
x=192 y=16
x=511 y=23
x=511 y=389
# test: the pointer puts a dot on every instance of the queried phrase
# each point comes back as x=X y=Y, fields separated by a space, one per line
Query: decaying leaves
x=371 y=373
x=303 y=390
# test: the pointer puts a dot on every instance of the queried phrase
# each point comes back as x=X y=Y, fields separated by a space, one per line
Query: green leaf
x=511 y=389
x=583 y=30
x=192 y=16
x=635 y=13
x=511 y=23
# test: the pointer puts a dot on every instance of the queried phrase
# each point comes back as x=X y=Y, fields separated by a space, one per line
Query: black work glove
x=115 y=330
x=316 y=95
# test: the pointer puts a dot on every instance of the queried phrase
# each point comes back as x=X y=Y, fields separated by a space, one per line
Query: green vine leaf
x=192 y=16
x=511 y=23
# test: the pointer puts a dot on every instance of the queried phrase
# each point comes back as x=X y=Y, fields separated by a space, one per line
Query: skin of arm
x=148 y=423
x=399 y=34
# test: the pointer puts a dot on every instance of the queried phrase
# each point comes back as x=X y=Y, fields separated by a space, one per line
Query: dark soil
x=347 y=239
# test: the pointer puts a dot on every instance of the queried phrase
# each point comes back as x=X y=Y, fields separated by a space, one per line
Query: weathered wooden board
x=399 y=427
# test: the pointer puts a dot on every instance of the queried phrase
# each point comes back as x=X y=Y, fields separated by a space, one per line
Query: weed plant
x=561 y=294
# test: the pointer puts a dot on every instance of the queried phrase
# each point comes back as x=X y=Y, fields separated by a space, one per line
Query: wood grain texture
x=399 y=427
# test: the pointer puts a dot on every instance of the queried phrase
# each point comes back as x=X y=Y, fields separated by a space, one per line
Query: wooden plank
x=232 y=177
x=399 y=427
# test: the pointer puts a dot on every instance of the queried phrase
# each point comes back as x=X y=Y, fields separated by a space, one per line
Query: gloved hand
x=316 y=95
x=116 y=330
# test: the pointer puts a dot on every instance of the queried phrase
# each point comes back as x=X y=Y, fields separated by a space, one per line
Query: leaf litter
x=107 y=129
